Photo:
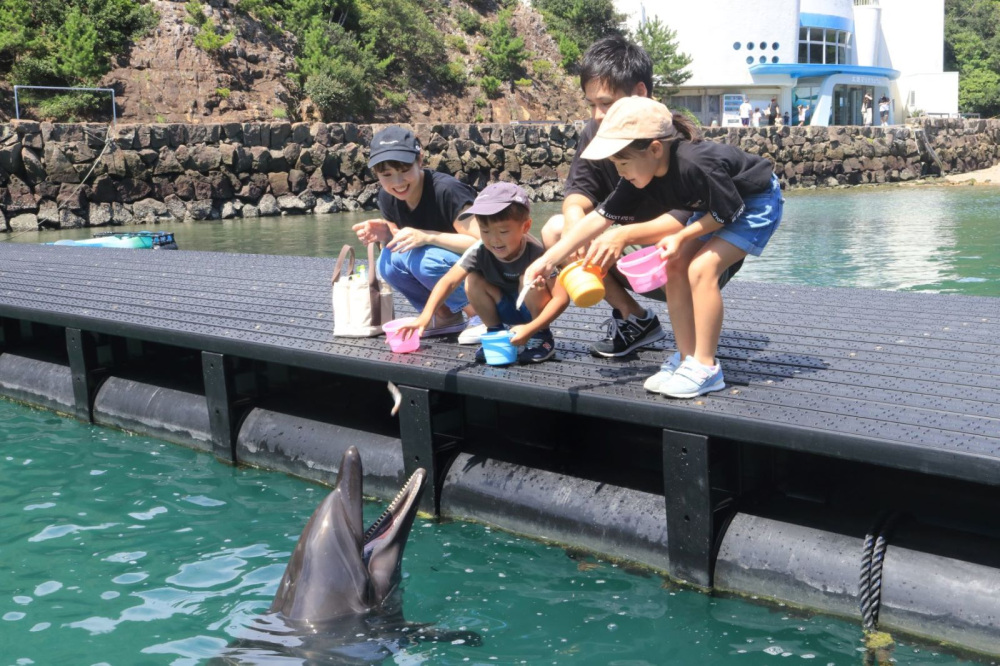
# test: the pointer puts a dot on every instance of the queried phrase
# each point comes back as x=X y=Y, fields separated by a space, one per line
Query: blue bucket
x=497 y=348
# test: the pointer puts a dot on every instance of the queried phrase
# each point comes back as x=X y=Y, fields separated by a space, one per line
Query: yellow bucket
x=583 y=283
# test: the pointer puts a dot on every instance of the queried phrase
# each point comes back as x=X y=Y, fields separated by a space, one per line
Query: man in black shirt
x=613 y=68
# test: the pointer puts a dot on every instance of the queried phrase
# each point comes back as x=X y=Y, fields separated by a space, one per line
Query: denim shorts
x=509 y=314
x=752 y=230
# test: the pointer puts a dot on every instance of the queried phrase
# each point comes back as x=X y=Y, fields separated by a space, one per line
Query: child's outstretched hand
x=669 y=246
x=416 y=326
x=518 y=336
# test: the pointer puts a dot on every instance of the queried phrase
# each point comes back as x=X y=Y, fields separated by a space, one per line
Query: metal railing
x=114 y=110
x=866 y=3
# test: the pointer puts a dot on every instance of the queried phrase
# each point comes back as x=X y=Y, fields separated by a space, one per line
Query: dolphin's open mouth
x=403 y=505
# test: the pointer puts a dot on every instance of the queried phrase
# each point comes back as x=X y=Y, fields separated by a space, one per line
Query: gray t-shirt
x=503 y=274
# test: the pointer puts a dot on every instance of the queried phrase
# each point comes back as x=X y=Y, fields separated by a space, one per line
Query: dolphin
x=339 y=600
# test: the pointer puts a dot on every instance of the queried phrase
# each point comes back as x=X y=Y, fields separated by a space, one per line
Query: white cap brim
x=601 y=148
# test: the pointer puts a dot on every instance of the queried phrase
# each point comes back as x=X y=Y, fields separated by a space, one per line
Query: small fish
x=522 y=296
x=397 y=398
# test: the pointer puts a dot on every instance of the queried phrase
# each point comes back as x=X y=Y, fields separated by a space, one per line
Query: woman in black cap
x=420 y=230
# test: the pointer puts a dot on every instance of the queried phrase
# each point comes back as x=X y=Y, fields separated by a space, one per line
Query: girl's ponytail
x=686 y=128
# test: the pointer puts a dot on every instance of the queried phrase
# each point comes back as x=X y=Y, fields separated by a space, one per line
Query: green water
x=119 y=549
x=933 y=238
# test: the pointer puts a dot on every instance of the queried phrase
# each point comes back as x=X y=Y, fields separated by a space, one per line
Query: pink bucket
x=644 y=269
x=397 y=343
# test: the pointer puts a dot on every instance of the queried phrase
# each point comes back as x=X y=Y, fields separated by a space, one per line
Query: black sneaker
x=540 y=347
x=626 y=335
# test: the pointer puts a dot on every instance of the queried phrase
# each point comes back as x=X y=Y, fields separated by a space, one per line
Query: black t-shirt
x=503 y=274
x=443 y=198
x=703 y=176
x=772 y=110
x=597 y=179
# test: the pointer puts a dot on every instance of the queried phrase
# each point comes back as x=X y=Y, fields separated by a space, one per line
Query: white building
x=816 y=57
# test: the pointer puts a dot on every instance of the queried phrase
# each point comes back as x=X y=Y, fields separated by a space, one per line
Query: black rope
x=872 y=560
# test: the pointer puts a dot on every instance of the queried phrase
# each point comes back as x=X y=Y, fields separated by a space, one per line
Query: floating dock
x=851 y=465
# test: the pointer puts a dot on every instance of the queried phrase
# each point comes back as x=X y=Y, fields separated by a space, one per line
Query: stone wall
x=61 y=176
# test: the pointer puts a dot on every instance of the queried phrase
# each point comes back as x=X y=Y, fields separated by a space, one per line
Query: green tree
x=76 y=54
x=669 y=63
x=581 y=22
x=972 y=48
x=505 y=52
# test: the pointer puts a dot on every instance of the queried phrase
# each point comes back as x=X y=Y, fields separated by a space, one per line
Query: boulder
x=268 y=205
x=99 y=214
x=24 y=222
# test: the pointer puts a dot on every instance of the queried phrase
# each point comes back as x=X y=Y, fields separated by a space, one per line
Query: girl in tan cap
x=661 y=157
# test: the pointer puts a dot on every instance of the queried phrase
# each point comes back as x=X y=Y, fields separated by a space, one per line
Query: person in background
x=803 y=110
x=746 y=110
x=491 y=270
x=757 y=116
x=866 y=109
x=883 y=110
x=785 y=119
x=420 y=230
x=613 y=68
x=773 y=111
x=662 y=158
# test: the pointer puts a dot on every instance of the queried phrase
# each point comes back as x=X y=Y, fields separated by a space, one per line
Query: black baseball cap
x=394 y=144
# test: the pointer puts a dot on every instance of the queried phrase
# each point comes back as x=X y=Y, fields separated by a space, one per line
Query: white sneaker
x=667 y=369
x=473 y=331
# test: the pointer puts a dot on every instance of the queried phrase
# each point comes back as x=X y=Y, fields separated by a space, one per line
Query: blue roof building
x=817 y=58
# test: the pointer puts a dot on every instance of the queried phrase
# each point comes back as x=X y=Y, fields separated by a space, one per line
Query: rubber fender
x=617 y=522
x=797 y=562
x=39 y=383
x=944 y=585
x=939 y=584
x=312 y=450
x=176 y=416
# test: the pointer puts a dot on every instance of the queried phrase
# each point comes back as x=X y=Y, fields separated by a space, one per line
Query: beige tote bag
x=361 y=302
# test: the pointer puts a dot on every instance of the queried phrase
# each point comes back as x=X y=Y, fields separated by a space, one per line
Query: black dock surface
x=904 y=380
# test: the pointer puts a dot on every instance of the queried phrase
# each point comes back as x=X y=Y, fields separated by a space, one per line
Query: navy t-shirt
x=503 y=274
x=597 y=179
x=704 y=176
x=443 y=198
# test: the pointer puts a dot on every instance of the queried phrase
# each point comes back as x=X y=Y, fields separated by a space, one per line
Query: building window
x=736 y=46
x=749 y=46
x=749 y=60
x=821 y=46
x=690 y=102
x=775 y=60
x=763 y=46
x=775 y=46
x=763 y=59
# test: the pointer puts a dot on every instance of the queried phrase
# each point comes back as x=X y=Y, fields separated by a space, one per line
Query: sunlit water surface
x=119 y=549
x=934 y=238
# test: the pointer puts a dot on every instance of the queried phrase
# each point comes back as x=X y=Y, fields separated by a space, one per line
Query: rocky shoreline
x=88 y=175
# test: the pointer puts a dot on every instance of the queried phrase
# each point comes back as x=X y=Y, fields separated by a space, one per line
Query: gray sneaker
x=445 y=325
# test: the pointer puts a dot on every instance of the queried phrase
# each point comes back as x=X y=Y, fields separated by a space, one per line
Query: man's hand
x=373 y=231
x=538 y=271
